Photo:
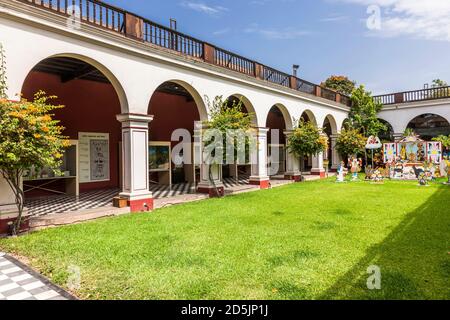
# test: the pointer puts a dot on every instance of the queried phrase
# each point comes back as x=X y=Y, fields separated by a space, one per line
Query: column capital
x=134 y=117
x=335 y=136
x=261 y=130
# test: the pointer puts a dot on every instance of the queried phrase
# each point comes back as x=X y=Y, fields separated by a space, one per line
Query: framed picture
x=159 y=156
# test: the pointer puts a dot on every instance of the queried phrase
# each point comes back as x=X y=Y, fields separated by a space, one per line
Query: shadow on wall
x=414 y=259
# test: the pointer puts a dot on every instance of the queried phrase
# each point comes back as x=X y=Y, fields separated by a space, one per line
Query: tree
x=3 y=86
x=350 y=142
x=307 y=140
x=441 y=89
x=341 y=84
x=363 y=114
x=225 y=118
x=436 y=83
x=28 y=137
x=445 y=140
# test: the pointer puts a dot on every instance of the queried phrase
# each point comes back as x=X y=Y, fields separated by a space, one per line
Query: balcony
x=414 y=96
x=100 y=14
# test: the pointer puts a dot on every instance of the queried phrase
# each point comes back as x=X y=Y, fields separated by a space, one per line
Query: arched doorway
x=388 y=134
x=92 y=164
x=276 y=122
x=330 y=129
x=175 y=106
x=239 y=173
x=307 y=116
x=429 y=126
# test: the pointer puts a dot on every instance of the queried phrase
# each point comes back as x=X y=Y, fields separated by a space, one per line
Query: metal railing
x=346 y=100
x=306 y=86
x=90 y=11
x=275 y=76
x=171 y=39
x=234 y=62
x=414 y=96
x=328 y=94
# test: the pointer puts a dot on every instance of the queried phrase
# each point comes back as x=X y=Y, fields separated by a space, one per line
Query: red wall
x=276 y=121
x=171 y=112
x=89 y=107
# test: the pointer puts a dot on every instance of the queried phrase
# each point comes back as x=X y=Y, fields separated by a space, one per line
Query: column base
x=262 y=182
x=8 y=216
x=319 y=172
x=141 y=203
x=211 y=190
x=293 y=177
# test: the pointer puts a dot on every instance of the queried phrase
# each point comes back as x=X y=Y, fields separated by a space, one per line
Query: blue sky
x=403 y=52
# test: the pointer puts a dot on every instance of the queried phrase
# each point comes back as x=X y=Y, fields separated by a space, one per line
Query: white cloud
x=221 y=31
x=426 y=19
x=276 y=34
x=334 y=18
x=204 y=8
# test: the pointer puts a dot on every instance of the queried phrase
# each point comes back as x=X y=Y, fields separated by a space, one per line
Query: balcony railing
x=89 y=11
x=328 y=94
x=100 y=14
x=275 y=76
x=234 y=62
x=170 y=39
x=414 y=96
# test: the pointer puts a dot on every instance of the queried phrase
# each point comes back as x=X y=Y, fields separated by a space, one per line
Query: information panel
x=94 y=157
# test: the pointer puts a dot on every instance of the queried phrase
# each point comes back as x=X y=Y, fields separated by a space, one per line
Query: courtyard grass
x=303 y=241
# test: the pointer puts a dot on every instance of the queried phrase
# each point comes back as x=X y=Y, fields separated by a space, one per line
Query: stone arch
x=100 y=67
x=429 y=125
x=248 y=105
x=332 y=122
x=310 y=115
x=199 y=101
x=286 y=115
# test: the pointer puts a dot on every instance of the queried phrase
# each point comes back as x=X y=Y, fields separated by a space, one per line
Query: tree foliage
x=307 y=140
x=28 y=137
x=363 y=114
x=350 y=142
x=226 y=117
x=341 y=84
x=445 y=140
x=3 y=86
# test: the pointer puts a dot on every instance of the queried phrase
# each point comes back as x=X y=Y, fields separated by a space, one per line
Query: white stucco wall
x=399 y=116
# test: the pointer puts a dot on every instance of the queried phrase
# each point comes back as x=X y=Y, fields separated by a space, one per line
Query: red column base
x=212 y=191
x=264 y=184
x=141 y=205
x=322 y=174
x=5 y=227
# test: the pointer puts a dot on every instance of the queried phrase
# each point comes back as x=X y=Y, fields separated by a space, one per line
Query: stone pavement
x=19 y=282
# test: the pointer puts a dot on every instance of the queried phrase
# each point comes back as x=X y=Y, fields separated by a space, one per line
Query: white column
x=205 y=184
x=135 y=162
x=317 y=165
x=292 y=161
x=336 y=157
x=258 y=158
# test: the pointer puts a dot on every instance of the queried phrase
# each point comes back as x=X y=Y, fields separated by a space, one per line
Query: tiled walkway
x=18 y=282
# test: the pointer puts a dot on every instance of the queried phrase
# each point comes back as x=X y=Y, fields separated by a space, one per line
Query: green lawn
x=304 y=241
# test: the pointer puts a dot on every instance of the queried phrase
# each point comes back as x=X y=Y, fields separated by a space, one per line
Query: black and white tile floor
x=103 y=198
x=18 y=282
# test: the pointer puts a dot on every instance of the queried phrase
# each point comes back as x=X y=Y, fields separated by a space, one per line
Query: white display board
x=93 y=157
